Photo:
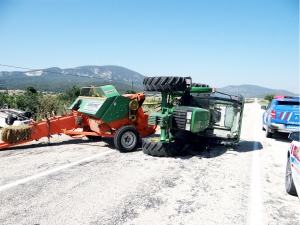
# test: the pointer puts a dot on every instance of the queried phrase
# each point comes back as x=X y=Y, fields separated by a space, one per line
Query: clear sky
x=215 y=42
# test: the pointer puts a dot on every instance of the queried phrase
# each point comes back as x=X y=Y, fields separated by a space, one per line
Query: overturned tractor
x=191 y=113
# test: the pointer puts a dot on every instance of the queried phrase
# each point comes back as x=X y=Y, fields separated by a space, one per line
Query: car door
x=295 y=163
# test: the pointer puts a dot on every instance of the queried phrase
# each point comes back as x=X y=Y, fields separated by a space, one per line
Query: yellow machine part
x=134 y=105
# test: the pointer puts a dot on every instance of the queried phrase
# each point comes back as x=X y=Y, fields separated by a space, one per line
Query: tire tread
x=118 y=137
x=164 y=84
x=160 y=149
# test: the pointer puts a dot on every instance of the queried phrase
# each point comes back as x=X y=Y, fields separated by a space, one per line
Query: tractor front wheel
x=126 y=139
x=162 y=149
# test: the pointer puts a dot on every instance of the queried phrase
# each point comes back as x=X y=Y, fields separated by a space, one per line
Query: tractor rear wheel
x=162 y=149
x=165 y=84
x=126 y=139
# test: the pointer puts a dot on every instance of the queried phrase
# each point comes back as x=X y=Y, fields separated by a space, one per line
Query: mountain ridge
x=251 y=90
x=57 y=80
x=108 y=73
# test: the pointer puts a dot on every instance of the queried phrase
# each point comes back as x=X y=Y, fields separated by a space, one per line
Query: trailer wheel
x=162 y=149
x=126 y=139
x=165 y=84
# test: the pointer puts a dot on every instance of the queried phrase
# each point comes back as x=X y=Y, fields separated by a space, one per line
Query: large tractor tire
x=165 y=84
x=126 y=139
x=162 y=149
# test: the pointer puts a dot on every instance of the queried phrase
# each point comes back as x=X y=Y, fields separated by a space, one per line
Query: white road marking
x=25 y=180
x=256 y=199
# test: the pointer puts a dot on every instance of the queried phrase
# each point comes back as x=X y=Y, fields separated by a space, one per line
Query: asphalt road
x=78 y=181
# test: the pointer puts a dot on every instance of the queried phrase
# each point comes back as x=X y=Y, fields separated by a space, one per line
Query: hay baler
x=97 y=112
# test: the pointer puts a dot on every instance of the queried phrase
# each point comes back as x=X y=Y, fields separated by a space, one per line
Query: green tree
x=29 y=101
x=12 y=100
x=31 y=89
x=2 y=99
x=48 y=103
x=70 y=95
x=269 y=97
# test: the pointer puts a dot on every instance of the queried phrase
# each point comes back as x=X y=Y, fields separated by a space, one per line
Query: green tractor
x=191 y=113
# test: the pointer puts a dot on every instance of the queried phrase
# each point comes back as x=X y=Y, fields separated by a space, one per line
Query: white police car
x=292 y=174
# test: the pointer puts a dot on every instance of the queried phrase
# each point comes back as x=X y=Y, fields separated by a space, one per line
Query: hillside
x=251 y=91
x=58 y=80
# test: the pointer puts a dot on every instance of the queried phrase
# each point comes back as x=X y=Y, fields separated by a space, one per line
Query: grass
x=263 y=102
x=151 y=108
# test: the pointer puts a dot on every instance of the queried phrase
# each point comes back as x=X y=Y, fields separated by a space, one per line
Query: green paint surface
x=112 y=108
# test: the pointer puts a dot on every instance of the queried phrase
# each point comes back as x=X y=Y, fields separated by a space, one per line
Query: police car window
x=288 y=103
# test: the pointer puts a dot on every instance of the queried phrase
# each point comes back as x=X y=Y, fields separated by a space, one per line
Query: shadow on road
x=215 y=151
x=82 y=141
x=248 y=146
x=202 y=151
x=282 y=137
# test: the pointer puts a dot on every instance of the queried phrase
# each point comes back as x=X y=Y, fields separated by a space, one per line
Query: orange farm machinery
x=97 y=112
